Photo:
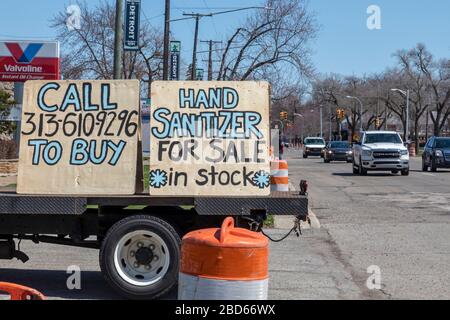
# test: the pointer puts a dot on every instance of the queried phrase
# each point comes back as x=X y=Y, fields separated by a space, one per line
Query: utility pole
x=118 y=40
x=331 y=123
x=406 y=94
x=194 y=51
x=197 y=17
x=385 y=118
x=321 y=121
x=210 y=59
x=166 y=41
x=407 y=115
x=361 y=128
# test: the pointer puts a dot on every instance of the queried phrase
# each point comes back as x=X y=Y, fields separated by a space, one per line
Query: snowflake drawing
x=158 y=178
x=261 y=179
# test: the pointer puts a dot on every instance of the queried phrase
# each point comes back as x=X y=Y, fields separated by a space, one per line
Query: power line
x=208 y=8
x=15 y=37
x=230 y=48
x=197 y=17
x=213 y=21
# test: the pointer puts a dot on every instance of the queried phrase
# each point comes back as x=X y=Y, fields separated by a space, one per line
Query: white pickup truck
x=380 y=151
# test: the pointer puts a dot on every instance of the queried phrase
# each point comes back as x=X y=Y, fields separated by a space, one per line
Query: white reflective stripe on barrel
x=198 y=288
x=280 y=173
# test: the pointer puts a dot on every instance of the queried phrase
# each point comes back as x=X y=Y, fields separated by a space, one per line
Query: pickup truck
x=380 y=151
x=314 y=146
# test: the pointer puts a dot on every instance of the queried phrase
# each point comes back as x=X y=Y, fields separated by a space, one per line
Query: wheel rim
x=141 y=258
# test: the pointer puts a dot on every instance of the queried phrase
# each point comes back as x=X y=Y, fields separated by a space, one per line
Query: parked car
x=380 y=151
x=338 y=151
x=436 y=154
x=313 y=146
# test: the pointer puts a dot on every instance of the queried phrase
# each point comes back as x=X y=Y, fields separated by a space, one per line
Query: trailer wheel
x=139 y=257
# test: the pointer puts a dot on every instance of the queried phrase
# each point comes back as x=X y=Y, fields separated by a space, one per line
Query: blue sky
x=344 y=44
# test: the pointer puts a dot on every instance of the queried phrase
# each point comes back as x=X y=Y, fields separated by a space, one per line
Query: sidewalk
x=8 y=182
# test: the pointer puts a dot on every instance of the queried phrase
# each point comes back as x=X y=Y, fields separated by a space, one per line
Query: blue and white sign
x=132 y=24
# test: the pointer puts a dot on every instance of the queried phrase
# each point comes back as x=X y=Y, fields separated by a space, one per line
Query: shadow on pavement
x=438 y=171
x=372 y=174
x=52 y=283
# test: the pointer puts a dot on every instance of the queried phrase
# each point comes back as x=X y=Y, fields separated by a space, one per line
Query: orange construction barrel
x=18 y=292
x=224 y=264
x=279 y=172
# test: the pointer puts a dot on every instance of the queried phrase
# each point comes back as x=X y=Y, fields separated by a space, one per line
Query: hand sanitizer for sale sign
x=210 y=139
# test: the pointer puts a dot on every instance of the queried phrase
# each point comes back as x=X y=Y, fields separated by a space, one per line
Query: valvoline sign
x=29 y=60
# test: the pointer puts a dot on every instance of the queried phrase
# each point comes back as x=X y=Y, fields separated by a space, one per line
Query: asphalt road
x=400 y=224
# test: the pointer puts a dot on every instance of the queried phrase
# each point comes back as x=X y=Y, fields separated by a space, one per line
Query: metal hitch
x=8 y=251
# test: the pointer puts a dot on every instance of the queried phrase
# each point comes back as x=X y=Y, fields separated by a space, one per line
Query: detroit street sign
x=132 y=22
x=175 y=48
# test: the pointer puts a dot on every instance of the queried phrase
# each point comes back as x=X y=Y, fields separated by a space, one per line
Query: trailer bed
x=278 y=203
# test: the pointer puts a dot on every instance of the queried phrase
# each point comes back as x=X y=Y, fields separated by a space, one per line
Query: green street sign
x=199 y=74
x=175 y=46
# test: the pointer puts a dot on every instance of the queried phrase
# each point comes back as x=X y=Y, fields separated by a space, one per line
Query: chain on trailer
x=297 y=228
x=257 y=226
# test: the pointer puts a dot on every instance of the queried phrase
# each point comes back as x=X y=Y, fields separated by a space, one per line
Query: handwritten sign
x=209 y=139
x=79 y=137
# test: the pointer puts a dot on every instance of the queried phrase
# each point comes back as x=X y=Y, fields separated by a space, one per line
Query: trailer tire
x=139 y=257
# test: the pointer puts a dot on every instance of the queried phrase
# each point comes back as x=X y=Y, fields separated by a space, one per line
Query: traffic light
x=340 y=114
x=378 y=122
x=283 y=115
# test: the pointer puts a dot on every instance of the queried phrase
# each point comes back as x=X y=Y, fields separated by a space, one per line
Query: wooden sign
x=79 y=138
x=210 y=139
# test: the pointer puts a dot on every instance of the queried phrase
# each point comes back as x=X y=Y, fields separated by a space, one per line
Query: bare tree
x=333 y=91
x=416 y=82
x=89 y=51
x=394 y=103
x=270 y=43
x=437 y=77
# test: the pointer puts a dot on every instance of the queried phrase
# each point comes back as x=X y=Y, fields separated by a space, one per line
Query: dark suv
x=436 y=154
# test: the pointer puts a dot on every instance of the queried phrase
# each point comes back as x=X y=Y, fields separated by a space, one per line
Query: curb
x=287 y=222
